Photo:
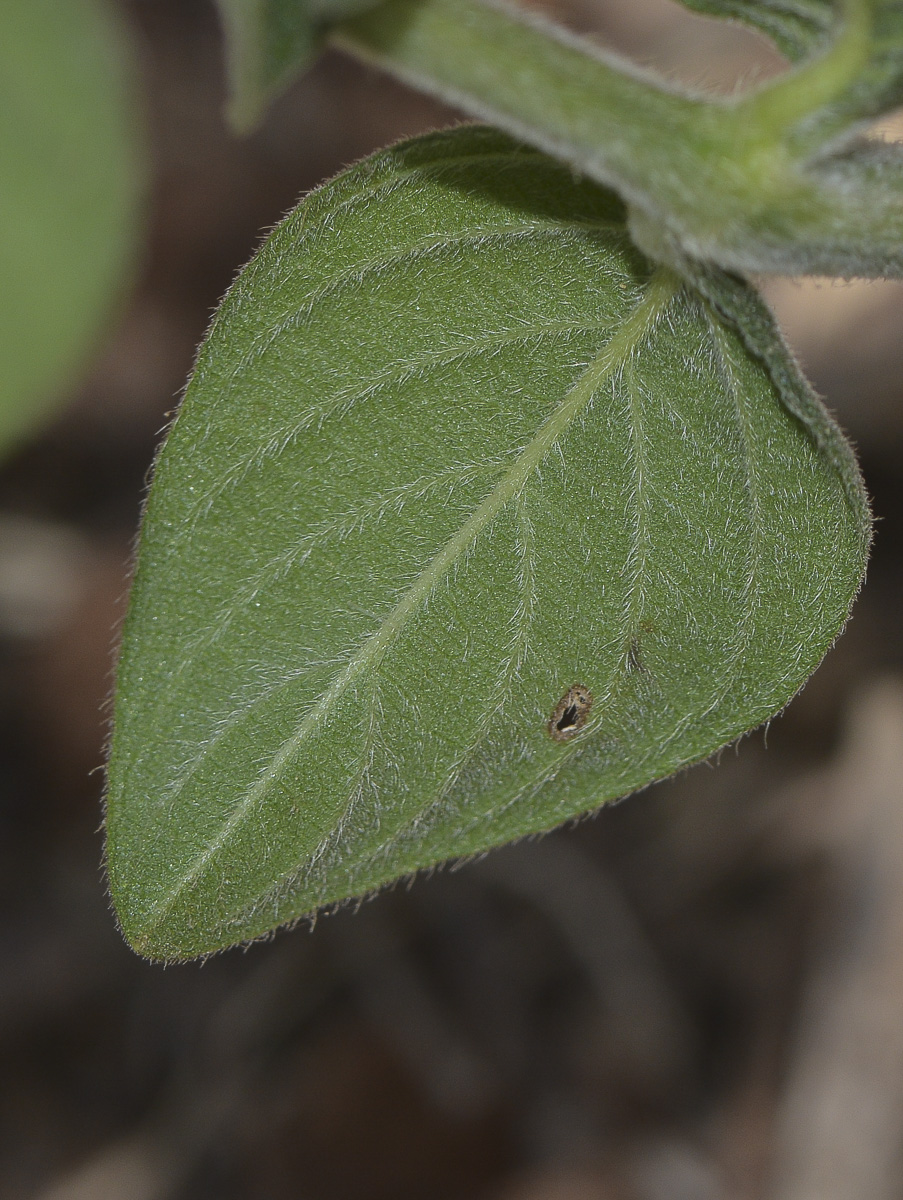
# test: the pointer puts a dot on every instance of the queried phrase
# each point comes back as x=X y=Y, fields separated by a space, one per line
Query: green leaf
x=797 y=27
x=456 y=462
x=269 y=42
x=68 y=189
x=802 y=28
x=737 y=181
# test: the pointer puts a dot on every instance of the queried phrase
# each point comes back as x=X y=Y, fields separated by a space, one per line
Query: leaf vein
x=342 y=402
x=425 y=247
x=611 y=359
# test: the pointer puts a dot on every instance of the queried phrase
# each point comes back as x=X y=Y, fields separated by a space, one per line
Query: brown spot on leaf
x=570 y=713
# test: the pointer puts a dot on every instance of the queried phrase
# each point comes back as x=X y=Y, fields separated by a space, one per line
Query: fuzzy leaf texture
x=68 y=190
x=842 y=214
x=269 y=42
x=456 y=462
x=748 y=183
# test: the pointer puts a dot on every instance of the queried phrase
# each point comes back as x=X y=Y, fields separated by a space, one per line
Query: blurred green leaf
x=68 y=190
x=802 y=28
x=452 y=449
x=269 y=42
x=797 y=27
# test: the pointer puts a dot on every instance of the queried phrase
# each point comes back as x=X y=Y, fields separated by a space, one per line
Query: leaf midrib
x=617 y=351
x=342 y=401
x=407 y=254
x=187 y=523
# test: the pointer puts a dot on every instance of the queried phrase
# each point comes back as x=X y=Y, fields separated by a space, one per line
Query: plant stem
x=536 y=81
x=814 y=85
x=719 y=179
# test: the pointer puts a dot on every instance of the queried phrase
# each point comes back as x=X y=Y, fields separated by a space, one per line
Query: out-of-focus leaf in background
x=268 y=42
x=800 y=28
x=68 y=196
x=796 y=29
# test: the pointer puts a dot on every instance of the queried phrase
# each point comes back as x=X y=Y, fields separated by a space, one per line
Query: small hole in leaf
x=570 y=713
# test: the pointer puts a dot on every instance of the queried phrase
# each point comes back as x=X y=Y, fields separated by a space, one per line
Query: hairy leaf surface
x=67 y=196
x=470 y=521
x=748 y=183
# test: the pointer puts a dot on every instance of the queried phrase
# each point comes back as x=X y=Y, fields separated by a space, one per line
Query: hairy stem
x=536 y=81
x=721 y=179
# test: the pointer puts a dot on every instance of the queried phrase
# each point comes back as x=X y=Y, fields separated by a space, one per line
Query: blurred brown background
x=696 y=995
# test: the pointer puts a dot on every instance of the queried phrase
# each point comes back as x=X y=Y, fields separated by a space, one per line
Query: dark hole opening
x=568 y=718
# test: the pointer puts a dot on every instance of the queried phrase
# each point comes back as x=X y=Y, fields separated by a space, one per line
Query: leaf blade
x=797 y=28
x=478 y=476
